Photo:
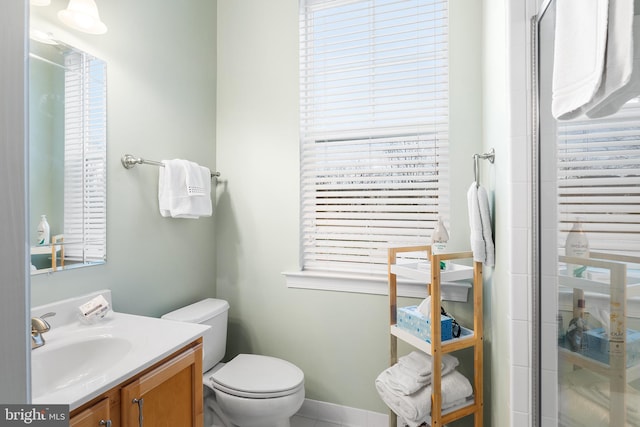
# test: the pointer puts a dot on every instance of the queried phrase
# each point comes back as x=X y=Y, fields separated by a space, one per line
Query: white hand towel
x=579 y=54
x=619 y=58
x=168 y=182
x=184 y=189
x=628 y=91
x=197 y=179
x=481 y=237
x=487 y=234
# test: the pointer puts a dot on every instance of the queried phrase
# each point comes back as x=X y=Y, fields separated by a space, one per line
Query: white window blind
x=599 y=180
x=374 y=108
x=85 y=160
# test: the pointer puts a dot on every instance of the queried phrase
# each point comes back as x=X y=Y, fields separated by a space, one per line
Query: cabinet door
x=97 y=415
x=168 y=396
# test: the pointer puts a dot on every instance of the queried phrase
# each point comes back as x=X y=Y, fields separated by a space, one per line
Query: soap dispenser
x=439 y=240
x=44 y=232
x=577 y=246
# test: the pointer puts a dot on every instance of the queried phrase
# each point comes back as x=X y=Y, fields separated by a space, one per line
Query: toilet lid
x=256 y=376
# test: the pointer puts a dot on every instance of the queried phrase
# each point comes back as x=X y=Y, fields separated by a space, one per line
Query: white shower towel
x=481 y=237
x=184 y=189
x=579 y=54
x=619 y=58
x=628 y=91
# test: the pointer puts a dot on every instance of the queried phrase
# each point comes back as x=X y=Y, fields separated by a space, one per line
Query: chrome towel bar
x=129 y=161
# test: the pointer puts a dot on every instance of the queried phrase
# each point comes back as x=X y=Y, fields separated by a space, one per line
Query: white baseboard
x=343 y=415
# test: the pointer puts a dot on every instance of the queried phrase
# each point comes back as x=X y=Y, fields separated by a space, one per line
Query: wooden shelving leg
x=393 y=343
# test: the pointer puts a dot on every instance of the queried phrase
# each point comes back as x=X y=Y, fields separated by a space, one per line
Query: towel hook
x=491 y=156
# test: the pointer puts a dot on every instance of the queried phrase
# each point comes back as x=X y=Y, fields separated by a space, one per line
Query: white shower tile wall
x=518 y=60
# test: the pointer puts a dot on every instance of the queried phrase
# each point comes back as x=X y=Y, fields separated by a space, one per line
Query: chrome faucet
x=38 y=327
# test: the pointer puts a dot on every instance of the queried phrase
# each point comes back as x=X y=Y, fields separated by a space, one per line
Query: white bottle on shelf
x=577 y=246
x=439 y=240
x=44 y=232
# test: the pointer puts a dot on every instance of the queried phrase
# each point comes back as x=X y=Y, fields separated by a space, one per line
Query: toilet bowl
x=248 y=391
x=257 y=391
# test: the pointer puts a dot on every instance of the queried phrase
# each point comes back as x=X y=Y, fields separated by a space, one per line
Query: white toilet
x=248 y=391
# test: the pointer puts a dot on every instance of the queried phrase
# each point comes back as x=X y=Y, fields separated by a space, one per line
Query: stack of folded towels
x=406 y=387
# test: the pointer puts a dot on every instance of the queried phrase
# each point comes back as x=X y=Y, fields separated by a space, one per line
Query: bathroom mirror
x=67 y=156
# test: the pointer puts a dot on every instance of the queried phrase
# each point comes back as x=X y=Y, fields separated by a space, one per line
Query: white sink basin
x=71 y=362
x=79 y=361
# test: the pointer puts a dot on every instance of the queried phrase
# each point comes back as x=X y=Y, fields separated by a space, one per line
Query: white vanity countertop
x=80 y=361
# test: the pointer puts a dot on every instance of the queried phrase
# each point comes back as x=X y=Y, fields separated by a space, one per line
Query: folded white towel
x=402 y=381
x=481 y=237
x=415 y=409
x=631 y=89
x=455 y=405
x=184 y=189
x=406 y=378
x=619 y=58
x=420 y=363
x=579 y=54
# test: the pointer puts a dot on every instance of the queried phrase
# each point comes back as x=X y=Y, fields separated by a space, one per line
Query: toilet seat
x=258 y=377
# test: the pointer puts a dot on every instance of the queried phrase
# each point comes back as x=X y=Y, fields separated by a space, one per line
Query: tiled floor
x=298 y=421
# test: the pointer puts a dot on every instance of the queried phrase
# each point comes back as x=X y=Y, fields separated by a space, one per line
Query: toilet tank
x=212 y=312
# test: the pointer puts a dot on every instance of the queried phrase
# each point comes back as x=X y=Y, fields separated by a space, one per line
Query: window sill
x=369 y=284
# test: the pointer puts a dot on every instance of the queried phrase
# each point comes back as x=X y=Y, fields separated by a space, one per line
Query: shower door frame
x=536 y=294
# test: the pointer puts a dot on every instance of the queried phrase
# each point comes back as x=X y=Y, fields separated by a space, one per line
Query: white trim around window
x=374 y=126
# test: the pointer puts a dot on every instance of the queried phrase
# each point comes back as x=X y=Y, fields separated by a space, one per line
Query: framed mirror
x=67 y=156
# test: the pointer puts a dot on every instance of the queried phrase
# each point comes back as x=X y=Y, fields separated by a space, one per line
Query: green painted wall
x=339 y=340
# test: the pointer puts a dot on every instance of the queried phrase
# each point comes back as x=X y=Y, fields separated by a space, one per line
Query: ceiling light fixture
x=82 y=15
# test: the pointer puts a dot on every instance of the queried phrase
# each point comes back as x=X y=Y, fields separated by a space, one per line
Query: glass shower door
x=589 y=258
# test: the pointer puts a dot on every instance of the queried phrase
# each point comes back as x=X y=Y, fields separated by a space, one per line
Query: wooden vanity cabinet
x=98 y=414
x=168 y=394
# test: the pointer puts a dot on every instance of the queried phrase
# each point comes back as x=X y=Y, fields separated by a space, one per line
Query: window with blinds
x=85 y=163
x=374 y=107
x=599 y=180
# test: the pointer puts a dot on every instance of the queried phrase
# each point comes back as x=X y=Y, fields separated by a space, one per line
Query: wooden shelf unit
x=433 y=278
